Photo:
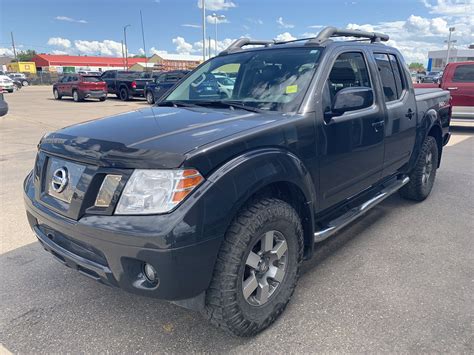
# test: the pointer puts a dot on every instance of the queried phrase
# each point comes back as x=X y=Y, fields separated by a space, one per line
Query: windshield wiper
x=228 y=103
x=176 y=103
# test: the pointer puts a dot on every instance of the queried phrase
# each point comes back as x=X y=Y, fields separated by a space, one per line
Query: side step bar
x=348 y=217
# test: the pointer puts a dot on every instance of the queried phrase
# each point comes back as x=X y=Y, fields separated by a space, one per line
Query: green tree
x=26 y=56
x=417 y=66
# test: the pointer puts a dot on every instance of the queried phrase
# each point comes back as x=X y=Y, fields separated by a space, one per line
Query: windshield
x=272 y=80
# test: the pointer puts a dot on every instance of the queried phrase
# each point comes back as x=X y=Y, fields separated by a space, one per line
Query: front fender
x=227 y=189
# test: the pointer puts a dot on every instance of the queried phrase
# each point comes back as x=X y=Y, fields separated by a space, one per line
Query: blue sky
x=95 y=27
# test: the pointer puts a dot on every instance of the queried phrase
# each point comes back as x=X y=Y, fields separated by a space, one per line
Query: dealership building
x=437 y=59
x=73 y=64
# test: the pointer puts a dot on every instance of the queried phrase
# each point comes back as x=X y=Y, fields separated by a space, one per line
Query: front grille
x=76 y=247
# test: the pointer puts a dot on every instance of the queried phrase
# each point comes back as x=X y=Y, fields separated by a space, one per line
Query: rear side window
x=464 y=74
x=391 y=80
x=90 y=79
x=397 y=72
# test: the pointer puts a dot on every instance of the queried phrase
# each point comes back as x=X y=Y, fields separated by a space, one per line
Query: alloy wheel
x=427 y=168
x=265 y=268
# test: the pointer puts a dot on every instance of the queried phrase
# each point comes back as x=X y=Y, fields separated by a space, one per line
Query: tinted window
x=349 y=70
x=91 y=79
x=388 y=78
x=464 y=74
x=399 y=81
x=108 y=75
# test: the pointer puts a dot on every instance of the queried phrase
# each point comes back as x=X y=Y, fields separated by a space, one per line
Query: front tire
x=56 y=94
x=423 y=175
x=257 y=268
x=25 y=83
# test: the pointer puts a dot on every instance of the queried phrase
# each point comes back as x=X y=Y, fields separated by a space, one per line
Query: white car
x=6 y=83
x=19 y=77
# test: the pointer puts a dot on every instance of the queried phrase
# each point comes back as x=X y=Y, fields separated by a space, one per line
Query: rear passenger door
x=350 y=145
x=109 y=78
x=400 y=126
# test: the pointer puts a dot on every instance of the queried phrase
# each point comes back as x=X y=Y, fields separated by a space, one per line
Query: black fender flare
x=430 y=119
x=216 y=202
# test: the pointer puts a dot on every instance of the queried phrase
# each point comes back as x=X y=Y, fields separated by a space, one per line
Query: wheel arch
x=269 y=172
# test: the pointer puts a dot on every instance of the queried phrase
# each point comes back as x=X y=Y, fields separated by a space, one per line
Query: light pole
x=125 y=41
x=203 y=3
x=451 y=30
x=216 y=19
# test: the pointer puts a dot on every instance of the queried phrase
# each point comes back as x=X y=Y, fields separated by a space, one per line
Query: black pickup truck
x=213 y=198
x=124 y=84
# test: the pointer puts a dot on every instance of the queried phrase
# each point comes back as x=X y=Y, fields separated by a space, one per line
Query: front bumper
x=114 y=249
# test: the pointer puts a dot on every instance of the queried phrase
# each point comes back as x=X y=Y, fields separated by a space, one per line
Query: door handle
x=409 y=114
x=377 y=125
x=453 y=88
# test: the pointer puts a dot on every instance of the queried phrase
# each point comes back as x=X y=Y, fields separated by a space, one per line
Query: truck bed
x=431 y=98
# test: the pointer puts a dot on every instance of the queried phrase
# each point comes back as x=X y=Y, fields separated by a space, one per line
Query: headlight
x=157 y=191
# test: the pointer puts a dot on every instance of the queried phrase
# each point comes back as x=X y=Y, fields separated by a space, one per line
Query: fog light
x=150 y=273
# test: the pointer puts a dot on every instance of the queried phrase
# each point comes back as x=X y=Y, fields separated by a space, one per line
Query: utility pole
x=203 y=3
x=209 y=46
x=14 y=48
x=125 y=42
x=216 y=19
x=144 y=45
x=451 y=30
x=123 y=56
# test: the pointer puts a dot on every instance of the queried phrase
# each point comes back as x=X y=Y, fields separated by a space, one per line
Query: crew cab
x=80 y=87
x=458 y=78
x=123 y=83
x=155 y=89
x=213 y=199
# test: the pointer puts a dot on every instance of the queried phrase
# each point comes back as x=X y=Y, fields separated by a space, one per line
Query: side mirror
x=351 y=99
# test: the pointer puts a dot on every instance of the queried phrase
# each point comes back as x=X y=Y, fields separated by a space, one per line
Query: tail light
x=134 y=84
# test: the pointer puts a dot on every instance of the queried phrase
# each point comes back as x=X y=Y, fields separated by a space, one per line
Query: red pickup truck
x=458 y=78
x=80 y=87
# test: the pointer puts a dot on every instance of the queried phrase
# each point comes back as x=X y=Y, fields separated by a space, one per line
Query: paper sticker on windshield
x=292 y=89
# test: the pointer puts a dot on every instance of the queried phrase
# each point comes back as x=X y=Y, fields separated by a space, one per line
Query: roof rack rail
x=238 y=44
x=329 y=32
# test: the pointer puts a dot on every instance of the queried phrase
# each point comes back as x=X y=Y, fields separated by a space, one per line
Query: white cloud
x=141 y=51
x=366 y=27
x=286 y=36
x=191 y=25
x=69 y=19
x=182 y=47
x=450 y=7
x=217 y=5
x=417 y=35
x=153 y=50
x=58 y=52
x=59 y=42
x=6 y=52
x=211 y=19
x=255 y=21
x=106 y=47
x=283 y=24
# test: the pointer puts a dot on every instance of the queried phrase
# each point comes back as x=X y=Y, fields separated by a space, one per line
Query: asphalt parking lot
x=398 y=280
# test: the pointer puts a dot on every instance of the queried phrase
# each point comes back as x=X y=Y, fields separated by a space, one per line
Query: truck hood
x=156 y=137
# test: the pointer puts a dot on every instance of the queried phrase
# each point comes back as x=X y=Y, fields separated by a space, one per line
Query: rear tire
x=257 y=268
x=75 y=96
x=102 y=99
x=124 y=95
x=423 y=175
x=149 y=98
x=25 y=83
x=56 y=94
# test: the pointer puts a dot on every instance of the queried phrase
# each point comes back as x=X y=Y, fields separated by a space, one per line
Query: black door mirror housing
x=351 y=99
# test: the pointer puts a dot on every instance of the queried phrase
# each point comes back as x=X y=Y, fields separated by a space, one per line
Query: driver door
x=350 y=145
